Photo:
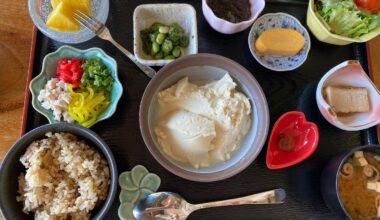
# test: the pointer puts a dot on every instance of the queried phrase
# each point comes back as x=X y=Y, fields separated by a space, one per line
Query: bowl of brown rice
x=58 y=171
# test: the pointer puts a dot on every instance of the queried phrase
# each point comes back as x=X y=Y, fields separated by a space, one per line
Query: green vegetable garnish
x=344 y=18
x=155 y=48
x=97 y=75
x=164 y=29
x=162 y=41
x=176 y=51
x=167 y=46
x=160 y=38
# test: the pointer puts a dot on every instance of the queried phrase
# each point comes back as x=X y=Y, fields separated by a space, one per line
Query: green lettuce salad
x=344 y=18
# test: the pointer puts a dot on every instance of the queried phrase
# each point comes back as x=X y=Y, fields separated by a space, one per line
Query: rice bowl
x=65 y=178
x=11 y=168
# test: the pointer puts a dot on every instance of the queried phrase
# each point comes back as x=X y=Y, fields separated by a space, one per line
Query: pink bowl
x=227 y=27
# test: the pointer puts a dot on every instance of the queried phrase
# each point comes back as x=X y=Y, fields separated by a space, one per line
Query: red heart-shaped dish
x=293 y=139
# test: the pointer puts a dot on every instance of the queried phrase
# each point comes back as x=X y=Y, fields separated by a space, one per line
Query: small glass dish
x=40 y=9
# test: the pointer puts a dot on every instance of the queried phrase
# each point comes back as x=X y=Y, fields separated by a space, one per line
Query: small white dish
x=147 y=14
x=349 y=73
x=278 y=20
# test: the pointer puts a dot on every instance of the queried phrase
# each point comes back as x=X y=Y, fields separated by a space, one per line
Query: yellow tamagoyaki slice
x=280 y=41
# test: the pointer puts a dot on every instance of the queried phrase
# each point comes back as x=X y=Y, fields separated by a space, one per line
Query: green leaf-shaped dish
x=48 y=71
x=135 y=185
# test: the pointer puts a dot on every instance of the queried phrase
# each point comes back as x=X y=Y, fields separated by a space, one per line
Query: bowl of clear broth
x=229 y=17
x=350 y=183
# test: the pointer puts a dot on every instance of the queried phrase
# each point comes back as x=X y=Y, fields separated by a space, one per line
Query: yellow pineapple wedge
x=62 y=16
x=61 y=19
x=81 y=5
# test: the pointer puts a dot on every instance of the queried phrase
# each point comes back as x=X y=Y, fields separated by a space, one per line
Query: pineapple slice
x=81 y=5
x=61 y=19
x=62 y=16
x=54 y=3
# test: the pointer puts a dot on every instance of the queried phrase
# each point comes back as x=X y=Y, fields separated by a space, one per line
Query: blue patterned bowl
x=278 y=20
x=49 y=67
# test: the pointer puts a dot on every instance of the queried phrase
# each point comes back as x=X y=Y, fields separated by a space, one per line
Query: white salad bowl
x=145 y=15
x=349 y=73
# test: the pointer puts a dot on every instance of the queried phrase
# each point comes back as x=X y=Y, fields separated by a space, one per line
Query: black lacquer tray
x=285 y=91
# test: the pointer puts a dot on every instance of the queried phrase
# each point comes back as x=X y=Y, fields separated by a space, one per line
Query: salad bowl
x=320 y=29
x=349 y=73
x=48 y=71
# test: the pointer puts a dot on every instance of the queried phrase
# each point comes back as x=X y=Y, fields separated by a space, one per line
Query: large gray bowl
x=202 y=69
x=11 y=168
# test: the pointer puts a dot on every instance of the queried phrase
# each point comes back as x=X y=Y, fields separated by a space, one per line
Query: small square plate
x=147 y=14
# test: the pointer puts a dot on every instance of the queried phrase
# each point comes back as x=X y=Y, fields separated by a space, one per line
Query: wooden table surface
x=15 y=38
x=374 y=49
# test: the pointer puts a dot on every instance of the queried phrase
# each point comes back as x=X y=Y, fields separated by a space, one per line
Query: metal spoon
x=171 y=206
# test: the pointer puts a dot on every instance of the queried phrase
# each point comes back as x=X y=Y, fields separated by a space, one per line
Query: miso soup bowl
x=329 y=179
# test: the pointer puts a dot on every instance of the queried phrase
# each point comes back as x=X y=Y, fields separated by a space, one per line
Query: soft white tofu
x=362 y=161
x=372 y=186
x=359 y=154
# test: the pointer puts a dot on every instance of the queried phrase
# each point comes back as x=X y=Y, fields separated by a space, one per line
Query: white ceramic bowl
x=278 y=20
x=147 y=14
x=202 y=69
x=226 y=27
x=349 y=73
